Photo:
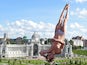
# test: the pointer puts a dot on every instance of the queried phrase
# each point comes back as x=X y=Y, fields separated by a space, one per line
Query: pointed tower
x=5 y=36
x=4 y=42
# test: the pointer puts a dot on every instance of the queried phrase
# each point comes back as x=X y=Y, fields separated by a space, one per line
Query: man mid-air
x=58 y=40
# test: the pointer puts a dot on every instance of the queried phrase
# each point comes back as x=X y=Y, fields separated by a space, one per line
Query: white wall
x=17 y=50
x=78 y=42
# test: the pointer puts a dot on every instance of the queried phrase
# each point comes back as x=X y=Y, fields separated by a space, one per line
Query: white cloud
x=72 y=13
x=1 y=28
x=80 y=13
x=83 y=13
x=73 y=33
x=27 y=27
x=76 y=25
x=72 y=25
x=76 y=29
x=81 y=1
x=84 y=30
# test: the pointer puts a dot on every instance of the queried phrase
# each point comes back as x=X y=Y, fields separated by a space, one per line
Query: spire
x=5 y=36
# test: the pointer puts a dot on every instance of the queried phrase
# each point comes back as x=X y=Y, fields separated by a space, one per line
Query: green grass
x=80 y=52
x=73 y=61
x=21 y=62
x=59 y=61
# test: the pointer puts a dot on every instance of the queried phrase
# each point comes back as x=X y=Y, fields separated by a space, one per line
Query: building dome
x=36 y=37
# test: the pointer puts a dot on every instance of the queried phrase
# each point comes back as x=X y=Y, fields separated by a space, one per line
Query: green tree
x=71 y=42
x=25 y=40
x=66 y=40
x=49 y=41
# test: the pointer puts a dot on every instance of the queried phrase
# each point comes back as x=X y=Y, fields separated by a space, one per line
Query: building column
x=27 y=50
x=32 y=49
x=70 y=52
x=39 y=49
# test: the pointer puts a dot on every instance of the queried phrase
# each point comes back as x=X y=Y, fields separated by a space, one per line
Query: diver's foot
x=44 y=53
x=50 y=57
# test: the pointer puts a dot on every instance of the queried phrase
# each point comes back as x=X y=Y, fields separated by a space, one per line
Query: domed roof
x=36 y=36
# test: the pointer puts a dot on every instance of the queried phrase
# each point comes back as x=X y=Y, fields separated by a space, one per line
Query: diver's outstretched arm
x=62 y=18
x=65 y=20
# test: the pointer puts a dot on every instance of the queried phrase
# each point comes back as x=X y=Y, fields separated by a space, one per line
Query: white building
x=23 y=50
x=85 y=44
x=78 y=41
x=26 y=50
x=67 y=52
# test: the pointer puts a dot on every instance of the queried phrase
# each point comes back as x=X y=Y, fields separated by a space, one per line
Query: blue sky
x=30 y=9
x=23 y=17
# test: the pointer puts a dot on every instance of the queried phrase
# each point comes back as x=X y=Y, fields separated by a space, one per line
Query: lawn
x=80 y=52
x=59 y=61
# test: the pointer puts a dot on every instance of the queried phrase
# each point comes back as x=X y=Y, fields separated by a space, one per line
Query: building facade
x=85 y=44
x=78 y=41
x=32 y=49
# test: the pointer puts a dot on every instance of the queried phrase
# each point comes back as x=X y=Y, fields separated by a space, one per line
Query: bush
x=80 y=52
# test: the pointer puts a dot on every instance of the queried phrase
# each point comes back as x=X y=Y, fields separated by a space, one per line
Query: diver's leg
x=63 y=26
x=58 y=25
